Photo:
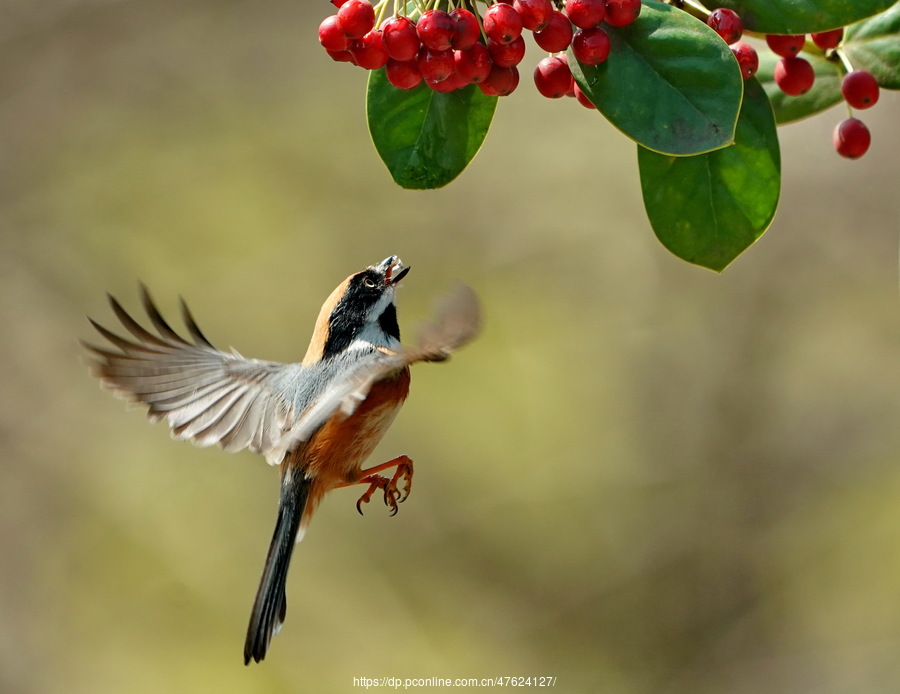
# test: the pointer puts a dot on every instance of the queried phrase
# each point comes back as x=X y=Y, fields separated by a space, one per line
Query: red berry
x=457 y=81
x=332 y=36
x=403 y=74
x=357 y=18
x=507 y=54
x=586 y=13
x=591 y=46
x=500 y=82
x=468 y=31
x=852 y=138
x=557 y=35
x=582 y=97
x=552 y=76
x=473 y=64
x=860 y=89
x=369 y=51
x=400 y=38
x=534 y=13
x=620 y=13
x=502 y=23
x=344 y=56
x=435 y=66
x=794 y=76
x=747 y=58
x=828 y=39
x=451 y=84
x=338 y=3
x=727 y=24
x=436 y=30
x=784 y=45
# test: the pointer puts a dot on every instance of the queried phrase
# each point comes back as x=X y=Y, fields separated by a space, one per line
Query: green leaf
x=802 y=16
x=825 y=92
x=426 y=138
x=670 y=82
x=709 y=208
x=874 y=45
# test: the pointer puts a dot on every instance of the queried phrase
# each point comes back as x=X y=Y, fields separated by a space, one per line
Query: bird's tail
x=270 y=605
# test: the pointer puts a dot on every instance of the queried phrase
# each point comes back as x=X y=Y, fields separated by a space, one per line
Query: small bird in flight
x=318 y=419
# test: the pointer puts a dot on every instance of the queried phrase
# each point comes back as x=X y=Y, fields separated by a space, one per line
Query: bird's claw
x=394 y=493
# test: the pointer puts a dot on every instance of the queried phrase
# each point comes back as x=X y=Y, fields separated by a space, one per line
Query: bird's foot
x=396 y=489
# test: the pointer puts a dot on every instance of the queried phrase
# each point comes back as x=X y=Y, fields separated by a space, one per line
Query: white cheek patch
x=385 y=300
x=372 y=335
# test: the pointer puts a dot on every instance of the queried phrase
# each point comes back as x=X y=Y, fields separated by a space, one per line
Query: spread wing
x=457 y=321
x=214 y=397
x=205 y=395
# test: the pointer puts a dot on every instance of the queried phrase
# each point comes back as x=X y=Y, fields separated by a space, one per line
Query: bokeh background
x=644 y=477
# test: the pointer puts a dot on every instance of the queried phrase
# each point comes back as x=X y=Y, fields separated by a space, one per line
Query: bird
x=318 y=420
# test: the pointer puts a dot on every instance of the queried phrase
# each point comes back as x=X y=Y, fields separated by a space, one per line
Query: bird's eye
x=370 y=283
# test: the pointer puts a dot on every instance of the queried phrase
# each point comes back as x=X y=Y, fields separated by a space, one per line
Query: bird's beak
x=393 y=269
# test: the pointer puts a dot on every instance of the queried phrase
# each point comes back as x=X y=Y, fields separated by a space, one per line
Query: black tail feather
x=270 y=605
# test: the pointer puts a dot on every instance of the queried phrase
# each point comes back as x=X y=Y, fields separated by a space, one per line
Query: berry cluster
x=451 y=50
x=794 y=75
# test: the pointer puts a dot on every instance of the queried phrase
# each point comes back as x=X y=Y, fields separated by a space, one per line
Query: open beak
x=393 y=269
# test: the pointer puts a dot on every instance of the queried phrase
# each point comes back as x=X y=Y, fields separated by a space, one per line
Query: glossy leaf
x=709 y=208
x=874 y=45
x=670 y=82
x=426 y=138
x=825 y=92
x=802 y=16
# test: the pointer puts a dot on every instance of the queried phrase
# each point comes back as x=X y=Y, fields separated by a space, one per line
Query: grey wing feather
x=214 y=397
x=457 y=321
x=205 y=395
x=343 y=394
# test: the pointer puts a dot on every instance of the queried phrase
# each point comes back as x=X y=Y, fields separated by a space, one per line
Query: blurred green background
x=644 y=477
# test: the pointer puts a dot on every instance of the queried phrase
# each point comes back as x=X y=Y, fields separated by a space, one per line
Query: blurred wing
x=205 y=395
x=457 y=321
